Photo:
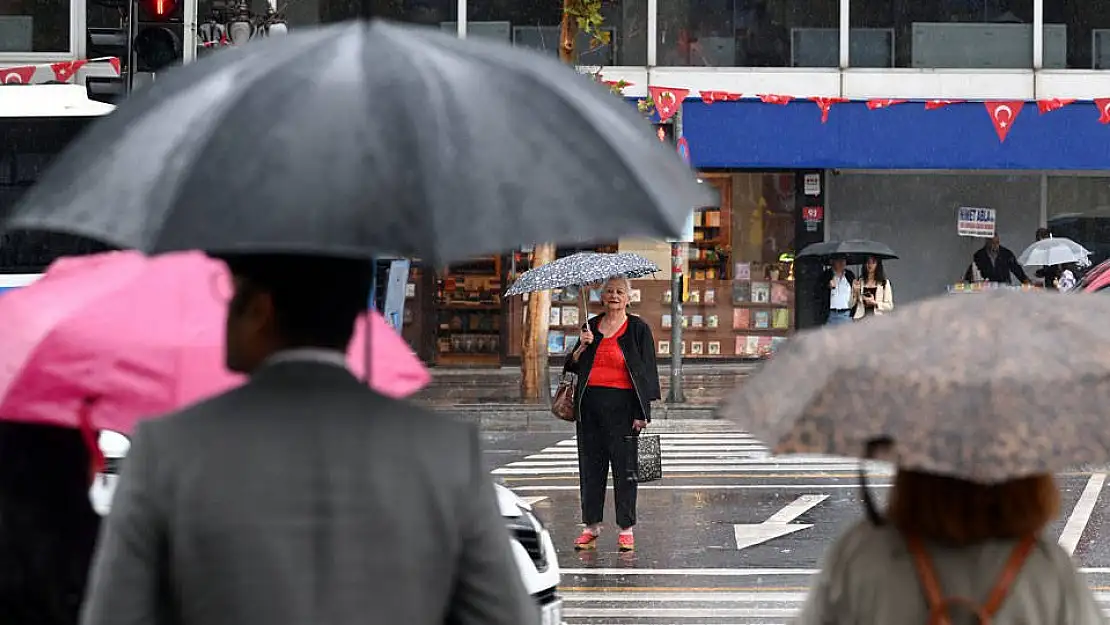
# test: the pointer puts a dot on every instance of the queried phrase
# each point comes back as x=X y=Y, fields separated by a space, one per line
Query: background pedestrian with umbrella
x=371 y=476
x=836 y=289
x=983 y=401
x=1056 y=258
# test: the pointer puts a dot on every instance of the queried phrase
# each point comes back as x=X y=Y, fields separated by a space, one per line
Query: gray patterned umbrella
x=581 y=269
x=984 y=387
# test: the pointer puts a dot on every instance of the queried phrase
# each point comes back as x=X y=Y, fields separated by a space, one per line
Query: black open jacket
x=638 y=346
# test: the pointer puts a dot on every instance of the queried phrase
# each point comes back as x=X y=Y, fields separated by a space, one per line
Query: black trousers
x=604 y=420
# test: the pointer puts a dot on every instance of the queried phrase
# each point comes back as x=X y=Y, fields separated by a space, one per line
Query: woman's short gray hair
x=622 y=279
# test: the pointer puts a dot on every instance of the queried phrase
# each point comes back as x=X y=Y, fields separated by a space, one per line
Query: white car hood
x=508 y=502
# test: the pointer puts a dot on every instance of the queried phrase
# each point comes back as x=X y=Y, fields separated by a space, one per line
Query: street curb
x=532 y=418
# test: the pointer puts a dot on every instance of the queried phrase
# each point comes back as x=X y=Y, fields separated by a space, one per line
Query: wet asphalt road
x=719 y=490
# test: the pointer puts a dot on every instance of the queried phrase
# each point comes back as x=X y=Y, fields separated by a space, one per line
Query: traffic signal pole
x=132 y=33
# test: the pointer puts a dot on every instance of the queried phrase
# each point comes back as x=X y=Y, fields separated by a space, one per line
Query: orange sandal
x=626 y=542
x=585 y=541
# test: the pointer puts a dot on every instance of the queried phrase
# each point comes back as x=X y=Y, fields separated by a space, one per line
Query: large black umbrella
x=366 y=138
x=856 y=251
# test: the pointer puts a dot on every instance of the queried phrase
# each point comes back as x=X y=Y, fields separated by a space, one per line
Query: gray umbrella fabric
x=856 y=251
x=366 y=138
x=581 y=269
x=986 y=387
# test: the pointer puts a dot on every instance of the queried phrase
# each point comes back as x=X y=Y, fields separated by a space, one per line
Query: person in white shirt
x=838 y=280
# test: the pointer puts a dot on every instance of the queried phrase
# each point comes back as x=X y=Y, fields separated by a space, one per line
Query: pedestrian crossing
x=696 y=608
x=690 y=454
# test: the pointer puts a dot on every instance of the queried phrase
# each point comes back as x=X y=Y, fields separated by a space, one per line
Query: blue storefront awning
x=752 y=134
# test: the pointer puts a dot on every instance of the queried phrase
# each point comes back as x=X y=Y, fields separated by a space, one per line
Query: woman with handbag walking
x=618 y=379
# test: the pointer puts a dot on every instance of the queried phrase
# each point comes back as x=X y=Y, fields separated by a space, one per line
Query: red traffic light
x=160 y=9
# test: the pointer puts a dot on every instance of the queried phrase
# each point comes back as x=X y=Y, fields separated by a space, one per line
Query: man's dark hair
x=316 y=300
x=1043 y=233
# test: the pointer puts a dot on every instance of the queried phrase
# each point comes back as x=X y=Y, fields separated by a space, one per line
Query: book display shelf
x=469 y=313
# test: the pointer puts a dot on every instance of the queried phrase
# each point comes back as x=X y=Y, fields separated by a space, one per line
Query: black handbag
x=645 y=457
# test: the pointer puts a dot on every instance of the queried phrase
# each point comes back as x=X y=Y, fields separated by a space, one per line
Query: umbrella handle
x=582 y=310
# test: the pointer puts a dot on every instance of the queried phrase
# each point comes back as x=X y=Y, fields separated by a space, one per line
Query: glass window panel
x=214 y=16
x=34 y=25
x=535 y=24
x=973 y=34
x=1082 y=28
x=1079 y=209
x=748 y=33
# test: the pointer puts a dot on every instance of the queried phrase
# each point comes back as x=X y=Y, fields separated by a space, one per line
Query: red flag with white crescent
x=825 y=104
x=770 y=98
x=709 y=97
x=878 y=103
x=1003 y=115
x=932 y=105
x=65 y=71
x=1103 y=105
x=1053 y=104
x=667 y=100
x=17 y=75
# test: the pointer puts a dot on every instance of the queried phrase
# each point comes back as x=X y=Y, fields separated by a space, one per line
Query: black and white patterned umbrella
x=582 y=269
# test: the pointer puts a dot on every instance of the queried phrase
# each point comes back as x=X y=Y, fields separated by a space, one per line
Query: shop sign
x=813 y=216
x=812 y=184
x=975 y=222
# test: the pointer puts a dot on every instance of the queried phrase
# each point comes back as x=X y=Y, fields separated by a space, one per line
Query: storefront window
x=1080 y=26
x=306 y=13
x=739 y=299
x=535 y=24
x=748 y=33
x=981 y=34
x=34 y=26
x=1079 y=209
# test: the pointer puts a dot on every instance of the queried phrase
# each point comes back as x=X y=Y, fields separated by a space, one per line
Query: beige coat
x=884 y=299
x=869 y=578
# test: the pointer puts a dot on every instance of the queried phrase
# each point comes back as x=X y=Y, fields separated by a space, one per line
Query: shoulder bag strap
x=1009 y=574
x=938 y=604
x=928 y=578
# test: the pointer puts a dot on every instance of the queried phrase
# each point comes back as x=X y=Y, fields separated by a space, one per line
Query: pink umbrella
x=102 y=341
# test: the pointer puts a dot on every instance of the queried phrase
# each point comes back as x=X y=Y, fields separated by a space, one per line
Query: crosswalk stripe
x=692 y=453
x=671 y=461
x=702 y=468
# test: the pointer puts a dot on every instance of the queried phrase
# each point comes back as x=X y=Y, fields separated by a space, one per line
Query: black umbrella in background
x=856 y=251
x=366 y=138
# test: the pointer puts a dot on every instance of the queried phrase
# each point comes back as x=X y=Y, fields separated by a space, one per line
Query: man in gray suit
x=303 y=497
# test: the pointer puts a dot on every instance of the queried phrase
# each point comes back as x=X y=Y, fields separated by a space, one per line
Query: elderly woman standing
x=617 y=381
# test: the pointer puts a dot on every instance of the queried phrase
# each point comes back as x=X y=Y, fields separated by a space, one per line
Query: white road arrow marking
x=533 y=500
x=778 y=525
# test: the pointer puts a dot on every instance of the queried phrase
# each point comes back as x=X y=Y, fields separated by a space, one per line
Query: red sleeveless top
x=609 y=369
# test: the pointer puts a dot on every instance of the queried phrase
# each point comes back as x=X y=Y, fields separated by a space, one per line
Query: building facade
x=814 y=119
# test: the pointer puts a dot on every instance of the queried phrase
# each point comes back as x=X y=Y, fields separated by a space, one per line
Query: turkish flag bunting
x=825 y=104
x=17 y=75
x=709 y=97
x=114 y=62
x=932 y=105
x=667 y=100
x=65 y=70
x=776 y=99
x=882 y=104
x=1003 y=115
x=1053 y=104
x=1103 y=105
